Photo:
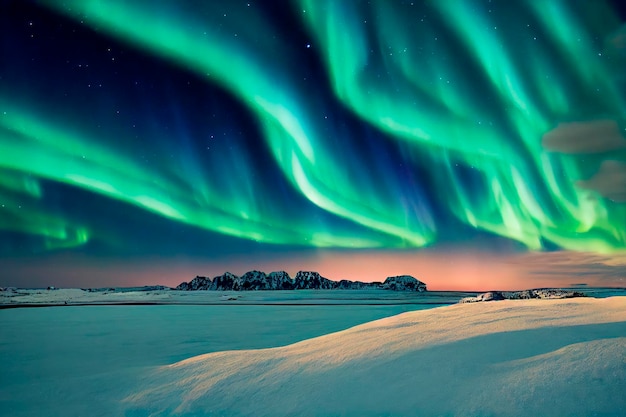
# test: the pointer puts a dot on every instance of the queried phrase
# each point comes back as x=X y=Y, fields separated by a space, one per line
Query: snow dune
x=506 y=358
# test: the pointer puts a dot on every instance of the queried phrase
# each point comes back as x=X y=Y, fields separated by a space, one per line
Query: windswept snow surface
x=533 y=357
x=77 y=361
x=506 y=358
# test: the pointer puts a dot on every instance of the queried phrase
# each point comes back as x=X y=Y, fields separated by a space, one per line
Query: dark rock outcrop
x=196 y=284
x=280 y=280
x=252 y=280
x=403 y=283
x=544 y=293
x=540 y=293
x=224 y=282
x=345 y=284
x=309 y=280
x=304 y=280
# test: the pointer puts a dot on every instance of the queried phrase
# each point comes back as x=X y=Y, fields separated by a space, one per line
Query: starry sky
x=474 y=144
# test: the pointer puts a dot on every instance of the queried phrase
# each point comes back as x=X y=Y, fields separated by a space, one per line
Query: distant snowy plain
x=295 y=357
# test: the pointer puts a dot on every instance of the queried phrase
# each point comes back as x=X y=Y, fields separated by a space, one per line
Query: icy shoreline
x=19 y=297
x=74 y=296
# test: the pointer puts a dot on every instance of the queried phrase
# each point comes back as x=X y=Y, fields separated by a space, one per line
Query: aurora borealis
x=134 y=131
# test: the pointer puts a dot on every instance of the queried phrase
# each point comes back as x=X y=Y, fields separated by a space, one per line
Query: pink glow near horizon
x=461 y=271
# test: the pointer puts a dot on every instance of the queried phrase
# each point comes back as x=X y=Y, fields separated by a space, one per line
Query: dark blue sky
x=146 y=135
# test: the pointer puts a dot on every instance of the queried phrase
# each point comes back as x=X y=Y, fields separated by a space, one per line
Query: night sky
x=474 y=144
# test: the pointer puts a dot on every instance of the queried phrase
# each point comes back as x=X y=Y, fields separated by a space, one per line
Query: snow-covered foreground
x=82 y=360
x=507 y=358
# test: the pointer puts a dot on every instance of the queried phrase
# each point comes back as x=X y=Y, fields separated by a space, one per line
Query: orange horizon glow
x=441 y=271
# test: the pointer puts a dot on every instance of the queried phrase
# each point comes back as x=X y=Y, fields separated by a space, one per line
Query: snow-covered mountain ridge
x=304 y=280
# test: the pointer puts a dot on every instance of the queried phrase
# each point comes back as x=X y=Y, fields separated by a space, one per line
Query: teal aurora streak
x=466 y=86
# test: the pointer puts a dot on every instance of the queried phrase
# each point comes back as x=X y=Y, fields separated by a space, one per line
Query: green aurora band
x=425 y=97
x=405 y=75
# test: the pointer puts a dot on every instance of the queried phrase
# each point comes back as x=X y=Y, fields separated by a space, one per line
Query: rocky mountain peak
x=304 y=280
x=309 y=280
x=224 y=282
x=403 y=283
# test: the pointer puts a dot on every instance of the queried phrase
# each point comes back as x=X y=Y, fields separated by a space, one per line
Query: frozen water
x=62 y=361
